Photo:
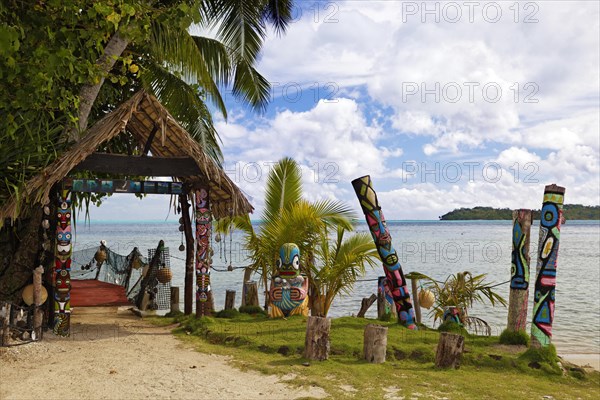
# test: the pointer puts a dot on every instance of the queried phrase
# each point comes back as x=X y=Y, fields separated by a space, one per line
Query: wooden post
x=519 y=271
x=174 y=299
x=375 y=343
x=415 y=296
x=383 y=241
x=365 y=304
x=229 y=299
x=247 y=275
x=316 y=343
x=204 y=306
x=251 y=293
x=6 y=324
x=545 y=284
x=449 y=350
x=37 y=302
x=188 y=290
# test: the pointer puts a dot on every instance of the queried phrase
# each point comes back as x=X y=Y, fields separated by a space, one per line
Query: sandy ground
x=115 y=355
x=584 y=360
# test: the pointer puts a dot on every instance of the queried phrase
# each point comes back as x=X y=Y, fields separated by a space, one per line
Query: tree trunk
x=519 y=279
x=365 y=304
x=316 y=343
x=229 y=299
x=89 y=92
x=375 y=343
x=188 y=291
x=449 y=350
x=174 y=299
x=251 y=293
x=415 y=296
x=37 y=301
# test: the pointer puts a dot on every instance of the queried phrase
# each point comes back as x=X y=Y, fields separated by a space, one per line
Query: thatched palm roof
x=139 y=115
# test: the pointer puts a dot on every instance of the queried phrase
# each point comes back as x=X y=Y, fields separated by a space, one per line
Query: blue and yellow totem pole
x=289 y=288
x=61 y=275
x=203 y=229
x=383 y=241
x=545 y=284
x=519 y=270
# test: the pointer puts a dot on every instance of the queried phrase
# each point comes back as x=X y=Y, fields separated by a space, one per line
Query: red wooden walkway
x=91 y=293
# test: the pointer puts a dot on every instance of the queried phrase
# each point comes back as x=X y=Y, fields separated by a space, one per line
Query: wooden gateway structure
x=156 y=145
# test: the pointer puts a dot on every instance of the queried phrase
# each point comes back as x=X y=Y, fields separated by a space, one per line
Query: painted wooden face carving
x=288 y=263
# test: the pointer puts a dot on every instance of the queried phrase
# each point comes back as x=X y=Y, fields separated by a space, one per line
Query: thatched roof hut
x=155 y=130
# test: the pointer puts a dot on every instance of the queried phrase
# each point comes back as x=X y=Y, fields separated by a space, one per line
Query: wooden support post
x=247 y=275
x=38 y=315
x=204 y=302
x=449 y=350
x=251 y=293
x=188 y=288
x=519 y=271
x=415 y=296
x=174 y=299
x=375 y=343
x=365 y=304
x=545 y=283
x=6 y=324
x=316 y=343
x=62 y=266
x=229 y=299
x=367 y=197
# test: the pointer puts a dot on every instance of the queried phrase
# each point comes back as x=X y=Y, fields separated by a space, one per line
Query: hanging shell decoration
x=101 y=255
x=218 y=237
x=230 y=267
x=164 y=275
x=181 y=247
x=426 y=298
x=46 y=224
x=28 y=295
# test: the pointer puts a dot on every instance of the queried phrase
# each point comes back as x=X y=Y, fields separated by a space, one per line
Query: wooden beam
x=139 y=166
x=149 y=141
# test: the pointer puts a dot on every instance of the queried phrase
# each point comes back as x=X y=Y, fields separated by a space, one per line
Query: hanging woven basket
x=164 y=275
x=426 y=298
x=28 y=295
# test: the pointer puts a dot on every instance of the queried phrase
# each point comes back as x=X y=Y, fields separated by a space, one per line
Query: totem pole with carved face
x=61 y=276
x=289 y=288
x=383 y=241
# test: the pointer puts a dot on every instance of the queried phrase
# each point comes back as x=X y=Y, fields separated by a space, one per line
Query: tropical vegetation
x=571 y=212
x=331 y=260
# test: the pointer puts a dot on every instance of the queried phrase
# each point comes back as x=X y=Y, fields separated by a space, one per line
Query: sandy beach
x=115 y=355
x=583 y=360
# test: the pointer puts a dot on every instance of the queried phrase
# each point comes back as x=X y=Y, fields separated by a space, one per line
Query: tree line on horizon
x=571 y=212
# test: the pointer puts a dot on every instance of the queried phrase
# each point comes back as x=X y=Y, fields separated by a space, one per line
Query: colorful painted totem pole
x=519 y=271
x=289 y=289
x=545 y=283
x=203 y=259
x=61 y=275
x=383 y=240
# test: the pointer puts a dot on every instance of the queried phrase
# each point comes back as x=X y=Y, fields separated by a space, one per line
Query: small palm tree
x=288 y=218
x=460 y=290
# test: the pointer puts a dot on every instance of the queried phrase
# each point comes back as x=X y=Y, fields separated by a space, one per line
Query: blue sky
x=445 y=105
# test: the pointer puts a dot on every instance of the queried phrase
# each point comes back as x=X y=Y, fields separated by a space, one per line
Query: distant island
x=571 y=212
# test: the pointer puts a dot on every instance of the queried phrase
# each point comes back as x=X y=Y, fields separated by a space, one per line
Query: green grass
x=488 y=370
x=514 y=337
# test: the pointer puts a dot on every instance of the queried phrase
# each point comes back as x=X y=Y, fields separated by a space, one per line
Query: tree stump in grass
x=251 y=293
x=174 y=299
x=375 y=343
x=449 y=350
x=316 y=343
x=365 y=304
x=229 y=299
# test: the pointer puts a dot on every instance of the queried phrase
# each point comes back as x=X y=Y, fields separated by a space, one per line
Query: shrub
x=233 y=313
x=252 y=310
x=514 y=337
x=543 y=357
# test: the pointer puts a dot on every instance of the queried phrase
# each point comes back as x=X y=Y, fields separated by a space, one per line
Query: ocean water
x=435 y=248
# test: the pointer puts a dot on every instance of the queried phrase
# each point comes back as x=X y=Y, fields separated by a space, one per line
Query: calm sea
x=435 y=248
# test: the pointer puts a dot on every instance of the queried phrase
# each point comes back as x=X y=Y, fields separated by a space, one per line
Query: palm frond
x=283 y=188
x=279 y=14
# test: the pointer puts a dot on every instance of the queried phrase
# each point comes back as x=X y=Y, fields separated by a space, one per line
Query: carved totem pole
x=289 y=288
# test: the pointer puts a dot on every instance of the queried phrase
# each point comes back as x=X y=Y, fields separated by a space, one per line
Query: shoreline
x=584 y=360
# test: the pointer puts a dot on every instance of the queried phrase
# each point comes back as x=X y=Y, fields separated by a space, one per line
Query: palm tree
x=288 y=218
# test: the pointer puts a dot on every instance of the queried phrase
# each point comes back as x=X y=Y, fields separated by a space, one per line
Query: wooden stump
x=6 y=324
x=316 y=344
x=174 y=299
x=251 y=293
x=37 y=301
x=375 y=343
x=229 y=299
x=247 y=275
x=415 y=297
x=366 y=303
x=449 y=350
